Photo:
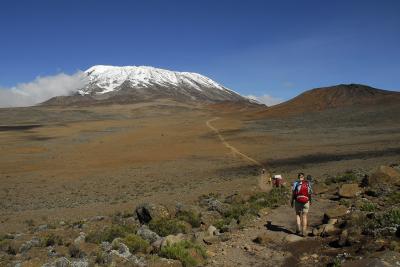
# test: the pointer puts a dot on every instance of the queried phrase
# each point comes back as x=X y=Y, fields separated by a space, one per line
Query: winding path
x=227 y=145
x=263 y=178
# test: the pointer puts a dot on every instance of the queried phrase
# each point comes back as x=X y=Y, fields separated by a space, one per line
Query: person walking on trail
x=301 y=201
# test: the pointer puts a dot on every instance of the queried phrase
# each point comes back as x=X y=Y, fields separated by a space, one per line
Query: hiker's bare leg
x=298 y=221
x=304 y=222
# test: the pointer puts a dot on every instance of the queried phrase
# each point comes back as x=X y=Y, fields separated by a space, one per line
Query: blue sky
x=276 y=48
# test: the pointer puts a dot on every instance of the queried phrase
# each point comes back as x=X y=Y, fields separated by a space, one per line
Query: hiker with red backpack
x=301 y=200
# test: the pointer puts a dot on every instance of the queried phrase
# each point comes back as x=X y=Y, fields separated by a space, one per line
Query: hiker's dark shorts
x=301 y=208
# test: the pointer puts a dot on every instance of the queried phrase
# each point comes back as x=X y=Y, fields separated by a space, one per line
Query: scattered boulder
x=60 y=262
x=149 y=211
x=385 y=174
x=106 y=246
x=34 y=242
x=212 y=230
x=320 y=188
x=214 y=204
x=80 y=239
x=336 y=212
x=329 y=230
x=172 y=239
x=156 y=245
x=121 y=248
x=80 y=263
x=145 y=233
x=349 y=190
x=209 y=217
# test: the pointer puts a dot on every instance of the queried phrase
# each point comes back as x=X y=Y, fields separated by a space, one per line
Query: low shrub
x=347 y=177
x=183 y=251
x=345 y=202
x=135 y=243
x=75 y=251
x=393 y=198
x=189 y=216
x=100 y=257
x=381 y=223
x=8 y=247
x=272 y=199
x=164 y=227
x=368 y=206
x=110 y=233
x=51 y=240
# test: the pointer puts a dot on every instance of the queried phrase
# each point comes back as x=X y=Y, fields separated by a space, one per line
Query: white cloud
x=41 y=89
x=266 y=99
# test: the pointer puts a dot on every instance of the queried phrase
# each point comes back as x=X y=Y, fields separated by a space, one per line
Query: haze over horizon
x=272 y=51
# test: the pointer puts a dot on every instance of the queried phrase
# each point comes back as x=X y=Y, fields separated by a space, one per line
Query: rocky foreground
x=355 y=222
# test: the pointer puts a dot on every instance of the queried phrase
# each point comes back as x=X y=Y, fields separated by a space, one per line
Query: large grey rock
x=349 y=190
x=150 y=211
x=106 y=246
x=34 y=242
x=336 y=212
x=120 y=248
x=80 y=239
x=80 y=263
x=60 y=262
x=384 y=174
x=214 y=204
x=212 y=230
x=145 y=233
x=172 y=239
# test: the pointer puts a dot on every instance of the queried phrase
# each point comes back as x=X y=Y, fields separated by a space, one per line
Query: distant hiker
x=277 y=180
x=310 y=180
x=301 y=200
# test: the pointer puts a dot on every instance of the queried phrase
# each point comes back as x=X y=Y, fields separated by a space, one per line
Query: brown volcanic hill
x=333 y=97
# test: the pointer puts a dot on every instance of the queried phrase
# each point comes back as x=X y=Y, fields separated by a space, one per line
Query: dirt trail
x=276 y=225
x=233 y=149
x=263 y=179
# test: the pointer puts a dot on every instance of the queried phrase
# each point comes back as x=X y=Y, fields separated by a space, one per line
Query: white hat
x=278 y=176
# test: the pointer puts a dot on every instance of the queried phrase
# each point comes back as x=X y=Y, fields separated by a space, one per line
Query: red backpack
x=301 y=192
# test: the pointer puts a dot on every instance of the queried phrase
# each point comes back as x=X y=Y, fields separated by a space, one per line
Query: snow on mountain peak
x=109 y=78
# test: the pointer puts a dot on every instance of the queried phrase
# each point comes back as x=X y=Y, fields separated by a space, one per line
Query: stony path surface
x=276 y=226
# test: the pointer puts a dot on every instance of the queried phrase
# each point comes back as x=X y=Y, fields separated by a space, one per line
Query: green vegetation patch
x=348 y=177
x=185 y=251
x=51 y=240
x=190 y=217
x=164 y=227
x=381 y=223
x=110 y=233
x=135 y=243
x=368 y=206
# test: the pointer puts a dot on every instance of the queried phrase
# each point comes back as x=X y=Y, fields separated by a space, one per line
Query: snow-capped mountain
x=143 y=83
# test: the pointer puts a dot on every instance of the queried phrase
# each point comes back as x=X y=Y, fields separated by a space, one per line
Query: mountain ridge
x=127 y=84
x=333 y=97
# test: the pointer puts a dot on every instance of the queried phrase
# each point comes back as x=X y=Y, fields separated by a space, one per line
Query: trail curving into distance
x=263 y=179
x=233 y=149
